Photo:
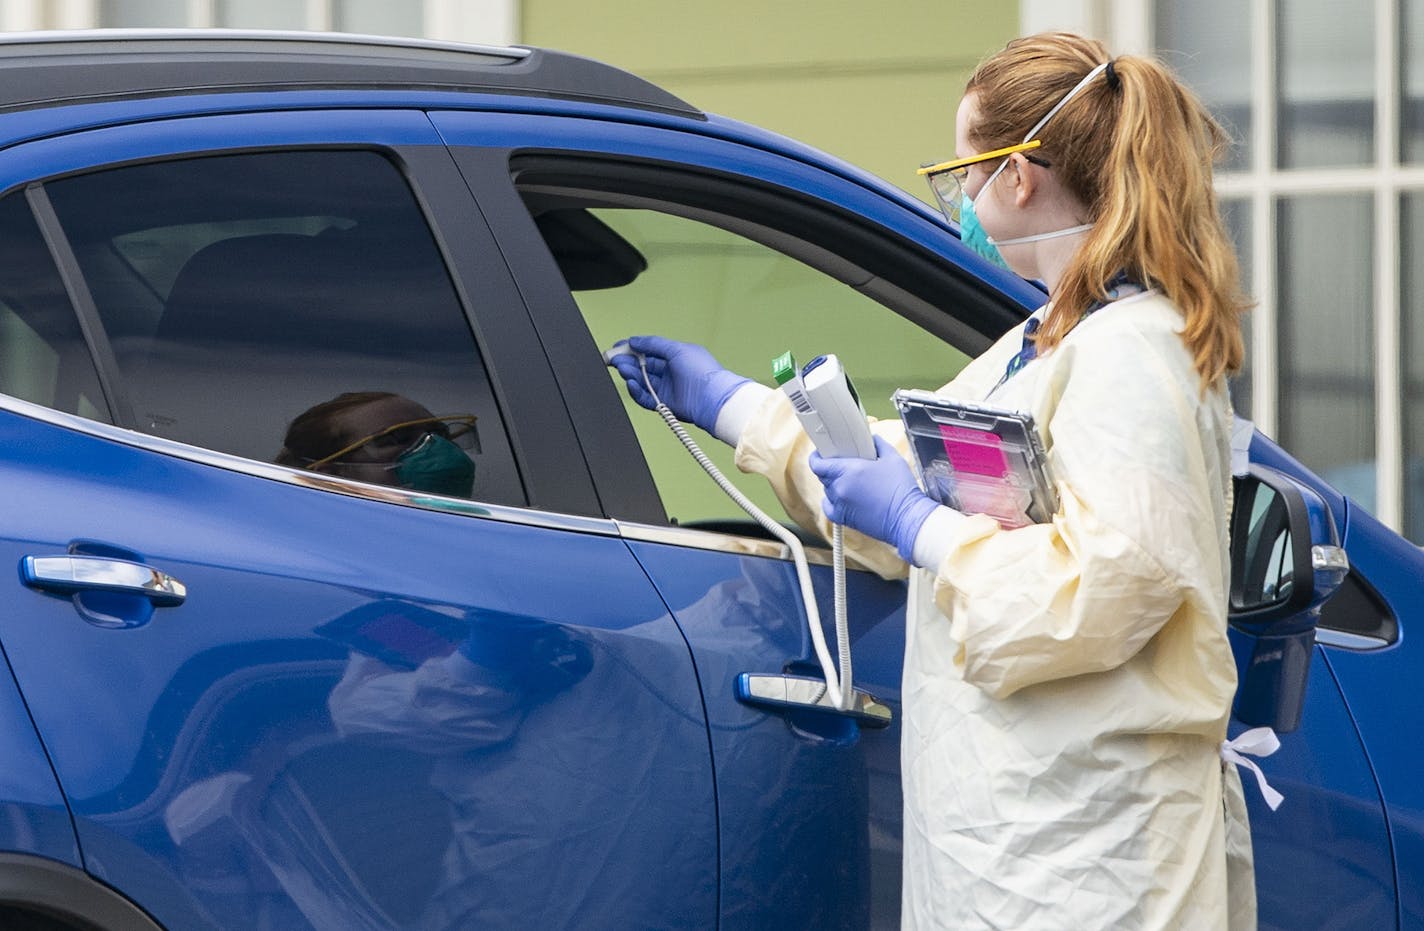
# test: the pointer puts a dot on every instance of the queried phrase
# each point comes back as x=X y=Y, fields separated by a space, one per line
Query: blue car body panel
x=239 y=761
x=1380 y=686
x=33 y=816
x=245 y=760
x=1330 y=829
x=76 y=152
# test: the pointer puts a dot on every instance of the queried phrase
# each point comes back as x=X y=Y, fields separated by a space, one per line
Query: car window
x=1358 y=610
x=289 y=307
x=43 y=357
x=701 y=279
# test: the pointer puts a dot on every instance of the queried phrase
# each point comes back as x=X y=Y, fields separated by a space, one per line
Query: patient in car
x=386 y=439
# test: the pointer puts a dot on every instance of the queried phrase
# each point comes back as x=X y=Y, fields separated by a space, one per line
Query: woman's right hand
x=684 y=376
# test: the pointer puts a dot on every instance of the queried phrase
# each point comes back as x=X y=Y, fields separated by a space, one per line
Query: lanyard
x=1120 y=286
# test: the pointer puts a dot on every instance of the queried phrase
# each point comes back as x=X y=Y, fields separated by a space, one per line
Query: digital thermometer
x=827 y=405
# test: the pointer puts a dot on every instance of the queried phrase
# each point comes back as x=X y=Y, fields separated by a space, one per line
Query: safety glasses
x=385 y=447
x=949 y=179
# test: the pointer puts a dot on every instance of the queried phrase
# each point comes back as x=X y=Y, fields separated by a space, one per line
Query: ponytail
x=1137 y=148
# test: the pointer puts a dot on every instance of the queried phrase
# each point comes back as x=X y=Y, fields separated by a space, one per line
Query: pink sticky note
x=974 y=452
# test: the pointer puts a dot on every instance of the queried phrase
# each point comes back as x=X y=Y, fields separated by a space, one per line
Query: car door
x=289 y=685
x=750 y=257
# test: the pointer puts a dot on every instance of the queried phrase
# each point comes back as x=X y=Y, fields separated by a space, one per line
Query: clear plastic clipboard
x=978 y=459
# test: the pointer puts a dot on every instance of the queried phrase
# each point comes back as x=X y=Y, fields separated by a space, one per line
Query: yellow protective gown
x=1067 y=685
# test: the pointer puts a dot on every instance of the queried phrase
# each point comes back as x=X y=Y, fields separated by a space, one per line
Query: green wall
x=873 y=83
x=876 y=84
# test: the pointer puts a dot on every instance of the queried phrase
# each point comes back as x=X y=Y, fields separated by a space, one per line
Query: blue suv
x=349 y=592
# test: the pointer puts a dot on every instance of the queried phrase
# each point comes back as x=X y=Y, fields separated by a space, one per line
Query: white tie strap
x=1258 y=741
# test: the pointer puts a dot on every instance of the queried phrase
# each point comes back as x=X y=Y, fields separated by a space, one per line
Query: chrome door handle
x=781 y=692
x=71 y=574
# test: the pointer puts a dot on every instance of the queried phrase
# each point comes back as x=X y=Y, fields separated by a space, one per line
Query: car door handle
x=73 y=574
x=783 y=692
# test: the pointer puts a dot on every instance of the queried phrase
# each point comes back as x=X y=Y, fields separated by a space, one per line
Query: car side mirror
x=1286 y=562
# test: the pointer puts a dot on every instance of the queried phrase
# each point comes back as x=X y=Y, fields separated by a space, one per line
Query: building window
x=1216 y=62
x=141 y=13
x=259 y=14
x=374 y=17
x=1325 y=198
x=1325 y=66
x=379 y=17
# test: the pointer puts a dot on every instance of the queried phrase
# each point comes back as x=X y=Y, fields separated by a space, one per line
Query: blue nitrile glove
x=685 y=376
x=878 y=496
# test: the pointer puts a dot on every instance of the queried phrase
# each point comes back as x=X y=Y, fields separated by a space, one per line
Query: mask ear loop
x=1087 y=79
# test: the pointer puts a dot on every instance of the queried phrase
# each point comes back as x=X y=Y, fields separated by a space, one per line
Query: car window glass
x=1356 y=608
x=747 y=303
x=43 y=357
x=290 y=307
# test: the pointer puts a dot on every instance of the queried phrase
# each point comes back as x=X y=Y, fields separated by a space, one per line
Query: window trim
x=625 y=483
x=422 y=500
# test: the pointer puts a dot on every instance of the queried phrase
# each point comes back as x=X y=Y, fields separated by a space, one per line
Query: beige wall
x=873 y=83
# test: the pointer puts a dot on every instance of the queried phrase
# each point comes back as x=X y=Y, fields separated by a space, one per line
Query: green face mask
x=973 y=235
x=438 y=466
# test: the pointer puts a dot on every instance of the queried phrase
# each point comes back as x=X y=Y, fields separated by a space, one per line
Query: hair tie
x=1114 y=82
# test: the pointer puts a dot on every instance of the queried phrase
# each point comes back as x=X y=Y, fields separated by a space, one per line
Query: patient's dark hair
x=314 y=434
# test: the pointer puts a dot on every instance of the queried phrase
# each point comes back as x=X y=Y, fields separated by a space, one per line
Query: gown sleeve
x=774 y=444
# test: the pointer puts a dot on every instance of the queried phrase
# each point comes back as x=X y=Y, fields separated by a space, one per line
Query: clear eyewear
x=948 y=180
x=388 y=445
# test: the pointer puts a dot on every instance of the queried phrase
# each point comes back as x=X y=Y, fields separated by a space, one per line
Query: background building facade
x=1323 y=188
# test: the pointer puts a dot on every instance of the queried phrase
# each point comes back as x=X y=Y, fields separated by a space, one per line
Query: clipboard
x=979 y=459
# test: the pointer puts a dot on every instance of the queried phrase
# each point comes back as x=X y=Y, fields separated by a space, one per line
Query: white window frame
x=487 y=22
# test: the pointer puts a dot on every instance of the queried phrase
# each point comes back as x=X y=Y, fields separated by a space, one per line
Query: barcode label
x=798 y=401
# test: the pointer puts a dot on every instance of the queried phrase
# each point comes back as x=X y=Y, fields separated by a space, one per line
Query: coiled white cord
x=838 y=686
x=842 y=622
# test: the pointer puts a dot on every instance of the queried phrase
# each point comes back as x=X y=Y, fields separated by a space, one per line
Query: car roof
x=43 y=69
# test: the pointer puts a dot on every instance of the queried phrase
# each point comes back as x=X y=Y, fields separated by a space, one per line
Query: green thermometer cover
x=783 y=368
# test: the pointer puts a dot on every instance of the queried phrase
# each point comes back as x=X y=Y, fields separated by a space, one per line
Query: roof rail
x=39 y=69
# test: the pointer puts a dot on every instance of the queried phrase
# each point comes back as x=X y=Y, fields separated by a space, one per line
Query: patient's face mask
x=438 y=466
x=426 y=454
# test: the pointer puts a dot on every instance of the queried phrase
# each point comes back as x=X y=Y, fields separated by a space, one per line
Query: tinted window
x=43 y=357
x=244 y=295
x=1356 y=608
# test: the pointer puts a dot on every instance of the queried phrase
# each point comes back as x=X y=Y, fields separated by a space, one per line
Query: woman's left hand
x=877 y=497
